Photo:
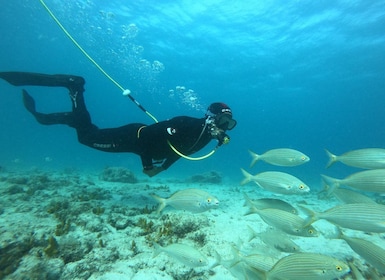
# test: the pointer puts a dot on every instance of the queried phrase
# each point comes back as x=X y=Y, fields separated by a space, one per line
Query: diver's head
x=221 y=115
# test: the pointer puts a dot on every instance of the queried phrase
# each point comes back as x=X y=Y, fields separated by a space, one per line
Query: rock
x=118 y=174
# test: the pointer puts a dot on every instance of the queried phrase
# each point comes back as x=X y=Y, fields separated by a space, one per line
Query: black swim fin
x=36 y=79
x=29 y=102
x=46 y=119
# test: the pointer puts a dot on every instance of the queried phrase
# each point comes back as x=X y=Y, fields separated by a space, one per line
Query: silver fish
x=193 y=200
x=278 y=182
x=349 y=196
x=263 y=203
x=280 y=157
x=256 y=261
x=372 y=253
x=285 y=221
x=279 y=241
x=371 y=158
x=366 y=217
x=368 y=180
x=183 y=253
x=239 y=269
x=308 y=266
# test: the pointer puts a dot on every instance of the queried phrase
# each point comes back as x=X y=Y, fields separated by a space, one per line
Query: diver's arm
x=171 y=159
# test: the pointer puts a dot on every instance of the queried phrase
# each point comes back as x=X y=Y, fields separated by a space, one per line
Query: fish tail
x=337 y=234
x=252 y=209
x=162 y=202
x=248 y=177
x=330 y=184
x=332 y=158
x=255 y=158
x=253 y=233
x=218 y=260
x=312 y=216
x=158 y=249
x=236 y=257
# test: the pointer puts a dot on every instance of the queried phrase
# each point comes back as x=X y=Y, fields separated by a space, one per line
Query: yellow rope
x=126 y=92
x=187 y=157
x=80 y=47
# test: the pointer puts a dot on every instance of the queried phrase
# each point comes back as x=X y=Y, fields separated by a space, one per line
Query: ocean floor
x=69 y=225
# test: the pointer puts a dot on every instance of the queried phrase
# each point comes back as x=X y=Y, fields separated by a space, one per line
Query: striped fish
x=264 y=203
x=371 y=158
x=372 y=253
x=280 y=157
x=193 y=200
x=256 y=261
x=185 y=254
x=279 y=241
x=285 y=221
x=369 y=180
x=278 y=182
x=366 y=217
x=349 y=196
x=308 y=266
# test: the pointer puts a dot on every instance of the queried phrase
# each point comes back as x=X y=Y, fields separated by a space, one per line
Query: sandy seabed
x=69 y=225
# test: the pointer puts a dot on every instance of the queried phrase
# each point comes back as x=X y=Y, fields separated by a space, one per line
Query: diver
x=154 y=143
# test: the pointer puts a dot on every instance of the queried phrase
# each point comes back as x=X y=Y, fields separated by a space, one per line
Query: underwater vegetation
x=171 y=228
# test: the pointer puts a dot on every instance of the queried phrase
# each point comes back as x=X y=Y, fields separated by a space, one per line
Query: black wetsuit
x=150 y=142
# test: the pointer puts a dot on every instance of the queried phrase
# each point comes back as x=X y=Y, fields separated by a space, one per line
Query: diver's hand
x=153 y=171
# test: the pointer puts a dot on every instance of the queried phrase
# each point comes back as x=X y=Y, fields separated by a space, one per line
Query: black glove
x=153 y=171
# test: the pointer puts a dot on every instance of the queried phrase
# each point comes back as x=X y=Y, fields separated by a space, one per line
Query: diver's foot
x=29 y=102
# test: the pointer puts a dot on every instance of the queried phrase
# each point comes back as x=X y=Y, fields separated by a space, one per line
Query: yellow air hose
x=126 y=92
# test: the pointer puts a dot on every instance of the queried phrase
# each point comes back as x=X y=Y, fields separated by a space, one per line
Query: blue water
x=307 y=75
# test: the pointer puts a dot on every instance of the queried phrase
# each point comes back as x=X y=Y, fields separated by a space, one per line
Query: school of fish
x=357 y=211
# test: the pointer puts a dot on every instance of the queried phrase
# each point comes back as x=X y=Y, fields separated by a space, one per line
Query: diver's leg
x=46 y=119
x=79 y=117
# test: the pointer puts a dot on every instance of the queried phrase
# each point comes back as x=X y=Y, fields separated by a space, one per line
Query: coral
x=208 y=178
x=118 y=174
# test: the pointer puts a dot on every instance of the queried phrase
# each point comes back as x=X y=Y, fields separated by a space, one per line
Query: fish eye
x=311 y=231
x=339 y=268
x=303 y=158
x=209 y=200
x=301 y=187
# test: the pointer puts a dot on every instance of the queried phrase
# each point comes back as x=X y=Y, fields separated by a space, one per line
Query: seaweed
x=119 y=221
x=134 y=248
x=63 y=228
x=12 y=254
x=53 y=247
x=199 y=238
x=147 y=227
x=188 y=275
